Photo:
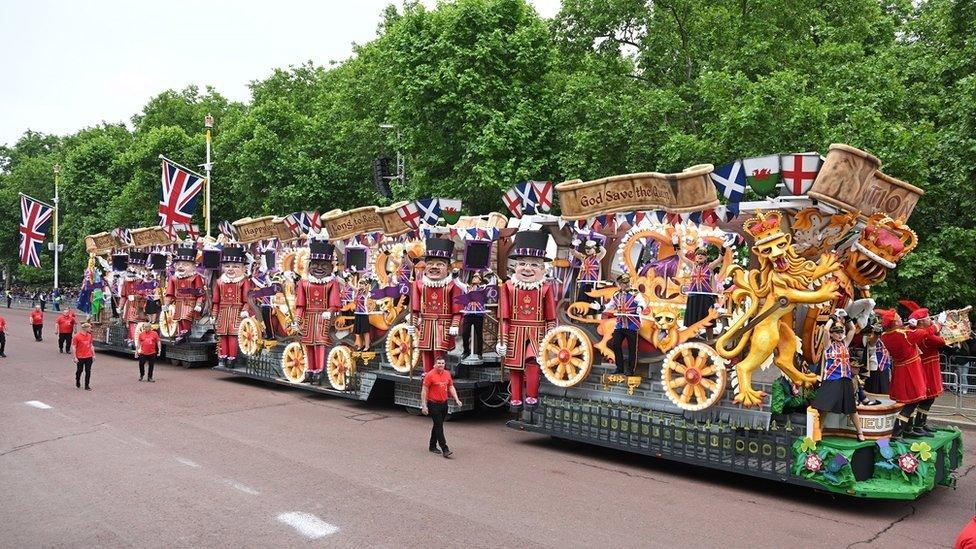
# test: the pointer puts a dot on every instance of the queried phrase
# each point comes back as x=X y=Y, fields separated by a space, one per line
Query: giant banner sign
x=689 y=191
x=150 y=236
x=99 y=243
x=262 y=228
x=345 y=224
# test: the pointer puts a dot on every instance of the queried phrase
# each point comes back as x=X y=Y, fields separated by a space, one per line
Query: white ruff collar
x=528 y=285
x=428 y=283
x=323 y=280
x=188 y=275
x=225 y=278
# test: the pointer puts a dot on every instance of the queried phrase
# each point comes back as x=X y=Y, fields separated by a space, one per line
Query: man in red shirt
x=37 y=321
x=147 y=348
x=84 y=355
x=433 y=400
x=66 y=328
x=967 y=536
x=3 y=336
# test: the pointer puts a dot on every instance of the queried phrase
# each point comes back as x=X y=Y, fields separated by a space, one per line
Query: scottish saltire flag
x=430 y=210
x=409 y=214
x=543 y=193
x=730 y=181
x=305 y=221
x=227 y=229
x=762 y=172
x=526 y=195
x=450 y=209
x=122 y=235
x=798 y=172
x=34 y=220
x=179 y=194
x=512 y=202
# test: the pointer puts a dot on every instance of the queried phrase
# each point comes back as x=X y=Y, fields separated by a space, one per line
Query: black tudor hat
x=321 y=250
x=233 y=254
x=185 y=253
x=138 y=258
x=530 y=244
x=120 y=262
x=157 y=261
x=439 y=248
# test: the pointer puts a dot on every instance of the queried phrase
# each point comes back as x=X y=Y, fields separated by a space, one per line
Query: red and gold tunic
x=229 y=299
x=135 y=308
x=525 y=315
x=312 y=298
x=185 y=294
x=907 y=378
x=434 y=309
x=928 y=346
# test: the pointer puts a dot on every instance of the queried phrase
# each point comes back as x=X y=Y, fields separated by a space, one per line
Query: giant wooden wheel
x=339 y=366
x=566 y=356
x=249 y=337
x=168 y=326
x=693 y=376
x=293 y=362
x=399 y=349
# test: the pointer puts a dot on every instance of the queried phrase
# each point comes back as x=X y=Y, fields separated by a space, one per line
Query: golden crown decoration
x=764 y=227
x=886 y=239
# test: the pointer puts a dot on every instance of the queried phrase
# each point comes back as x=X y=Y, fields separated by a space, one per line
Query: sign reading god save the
x=393 y=224
x=345 y=224
x=689 y=191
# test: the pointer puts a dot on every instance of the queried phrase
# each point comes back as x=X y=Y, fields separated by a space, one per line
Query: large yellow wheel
x=293 y=362
x=249 y=336
x=168 y=326
x=693 y=376
x=567 y=356
x=399 y=349
x=339 y=366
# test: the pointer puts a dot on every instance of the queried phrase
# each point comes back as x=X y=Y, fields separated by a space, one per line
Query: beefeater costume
x=185 y=292
x=907 y=379
x=526 y=311
x=317 y=300
x=929 y=343
x=229 y=301
x=134 y=292
x=434 y=306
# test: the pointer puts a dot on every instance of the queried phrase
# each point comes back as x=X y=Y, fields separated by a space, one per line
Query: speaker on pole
x=381 y=176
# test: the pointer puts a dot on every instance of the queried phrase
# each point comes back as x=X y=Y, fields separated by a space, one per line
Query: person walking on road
x=10 y=297
x=84 y=355
x=66 y=328
x=37 y=322
x=149 y=346
x=42 y=297
x=3 y=336
x=438 y=384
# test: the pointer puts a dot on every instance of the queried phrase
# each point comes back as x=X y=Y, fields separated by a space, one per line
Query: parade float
x=713 y=294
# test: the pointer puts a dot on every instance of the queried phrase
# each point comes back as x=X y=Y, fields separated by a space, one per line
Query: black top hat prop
x=120 y=262
x=185 y=253
x=233 y=254
x=439 y=248
x=530 y=244
x=157 y=261
x=138 y=258
x=321 y=250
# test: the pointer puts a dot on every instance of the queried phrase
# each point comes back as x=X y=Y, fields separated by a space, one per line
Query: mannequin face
x=529 y=269
x=184 y=268
x=232 y=270
x=436 y=269
x=320 y=269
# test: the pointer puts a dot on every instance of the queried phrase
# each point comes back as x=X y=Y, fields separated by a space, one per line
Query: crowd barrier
x=959 y=385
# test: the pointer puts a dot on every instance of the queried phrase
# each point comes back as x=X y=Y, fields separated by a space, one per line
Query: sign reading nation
x=346 y=224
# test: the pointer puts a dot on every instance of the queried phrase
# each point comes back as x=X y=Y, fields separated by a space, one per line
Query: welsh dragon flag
x=762 y=173
x=450 y=210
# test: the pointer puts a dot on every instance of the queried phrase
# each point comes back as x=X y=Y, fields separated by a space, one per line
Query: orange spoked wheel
x=399 y=349
x=339 y=366
x=293 y=362
x=566 y=356
x=693 y=376
x=249 y=336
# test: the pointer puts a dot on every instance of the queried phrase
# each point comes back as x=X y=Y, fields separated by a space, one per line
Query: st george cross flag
x=762 y=172
x=543 y=193
x=409 y=214
x=191 y=230
x=512 y=202
x=293 y=224
x=526 y=194
x=228 y=229
x=450 y=209
x=798 y=172
x=179 y=194
x=730 y=181
x=34 y=219
x=430 y=210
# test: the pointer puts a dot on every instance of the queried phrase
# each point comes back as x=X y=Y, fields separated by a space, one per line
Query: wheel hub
x=692 y=376
x=563 y=356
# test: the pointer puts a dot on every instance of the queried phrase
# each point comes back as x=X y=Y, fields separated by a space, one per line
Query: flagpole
x=207 y=123
x=57 y=171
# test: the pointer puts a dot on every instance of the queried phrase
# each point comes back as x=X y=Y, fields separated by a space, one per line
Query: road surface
x=202 y=459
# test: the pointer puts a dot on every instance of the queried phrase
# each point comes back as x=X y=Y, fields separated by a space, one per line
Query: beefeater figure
x=134 y=293
x=435 y=312
x=229 y=302
x=526 y=311
x=185 y=290
x=317 y=300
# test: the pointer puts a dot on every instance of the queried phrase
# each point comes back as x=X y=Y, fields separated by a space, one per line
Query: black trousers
x=475 y=323
x=44 y=305
x=37 y=330
x=438 y=412
x=3 y=342
x=143 y=361
x=617 y=344
x=8 y=302
x=84 y=364
x=64 y=342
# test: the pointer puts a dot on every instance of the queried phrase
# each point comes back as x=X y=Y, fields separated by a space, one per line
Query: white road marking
x=240 y=487
x=187 y=462
x=145 y=443
x=308 y=525
x=37 y=404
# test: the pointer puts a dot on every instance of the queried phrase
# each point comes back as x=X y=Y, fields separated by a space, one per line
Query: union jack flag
x=179 y=194
x=543 y=193
x=305 y=221
x=409 y=214
x=430 y=210
x=34 y=220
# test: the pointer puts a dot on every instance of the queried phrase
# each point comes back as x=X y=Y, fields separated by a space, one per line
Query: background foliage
x=486 y=93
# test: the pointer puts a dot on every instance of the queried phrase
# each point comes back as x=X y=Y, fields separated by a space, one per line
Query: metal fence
x=958 y=384
x=25 y=303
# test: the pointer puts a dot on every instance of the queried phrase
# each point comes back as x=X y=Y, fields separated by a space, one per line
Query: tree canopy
x=485 y=93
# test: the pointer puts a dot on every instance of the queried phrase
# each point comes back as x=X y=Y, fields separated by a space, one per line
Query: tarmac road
x=202 y=459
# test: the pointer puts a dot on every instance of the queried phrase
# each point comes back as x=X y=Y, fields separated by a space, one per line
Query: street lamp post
x=208 y=122
x=57 y=207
